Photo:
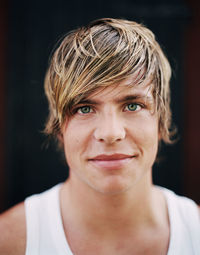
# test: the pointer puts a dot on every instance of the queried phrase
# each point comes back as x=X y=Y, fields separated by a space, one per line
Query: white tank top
x=45 y=233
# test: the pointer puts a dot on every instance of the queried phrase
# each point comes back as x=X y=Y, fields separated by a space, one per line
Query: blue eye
x=84 y=109
x=133 y=107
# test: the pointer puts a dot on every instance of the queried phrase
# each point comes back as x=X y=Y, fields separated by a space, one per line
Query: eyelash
x=134 y=104
x=78 y=109
x=84 y=106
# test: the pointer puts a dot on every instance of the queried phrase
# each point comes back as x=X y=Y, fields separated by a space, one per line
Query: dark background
x=29 y=31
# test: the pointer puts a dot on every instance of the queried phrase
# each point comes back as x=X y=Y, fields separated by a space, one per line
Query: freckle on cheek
x=77 y=141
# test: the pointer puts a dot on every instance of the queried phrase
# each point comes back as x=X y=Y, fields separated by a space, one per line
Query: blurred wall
x=3 y=81
x=34 y=28
x=191 y=106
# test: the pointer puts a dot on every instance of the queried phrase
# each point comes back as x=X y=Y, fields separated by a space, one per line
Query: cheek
x=75 y=137
x=71 y=147
x=146 y=132
x=71 y=140
x=151 y=141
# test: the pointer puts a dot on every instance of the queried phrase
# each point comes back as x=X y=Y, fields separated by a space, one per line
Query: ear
x=159 y=132
x=159 y=136
x=60 y=137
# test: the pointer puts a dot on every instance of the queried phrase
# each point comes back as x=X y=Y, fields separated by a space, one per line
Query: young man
x=108 y=91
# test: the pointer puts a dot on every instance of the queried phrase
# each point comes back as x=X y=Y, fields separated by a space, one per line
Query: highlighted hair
x=106 y=52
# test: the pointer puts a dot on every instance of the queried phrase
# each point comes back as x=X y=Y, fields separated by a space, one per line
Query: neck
x=132 y=208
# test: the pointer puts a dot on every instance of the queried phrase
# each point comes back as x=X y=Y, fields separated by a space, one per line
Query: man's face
x=111 y=139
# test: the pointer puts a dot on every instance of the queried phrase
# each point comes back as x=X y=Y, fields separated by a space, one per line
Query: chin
x=112 y=187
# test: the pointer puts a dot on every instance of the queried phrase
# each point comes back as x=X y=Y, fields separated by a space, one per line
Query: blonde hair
x=103 y=53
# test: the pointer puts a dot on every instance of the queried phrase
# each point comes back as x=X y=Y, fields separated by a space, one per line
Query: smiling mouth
x=111 y=162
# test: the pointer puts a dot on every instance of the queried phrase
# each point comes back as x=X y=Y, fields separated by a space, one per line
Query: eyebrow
x=88 y=101
x=134 y=97
x=119 y=100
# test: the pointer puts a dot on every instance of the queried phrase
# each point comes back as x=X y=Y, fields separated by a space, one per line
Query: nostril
x=110 y=140
x=118 y=139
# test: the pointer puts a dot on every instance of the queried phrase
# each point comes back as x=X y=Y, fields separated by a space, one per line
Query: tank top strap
x=184 y=224
x=32 y=226
x=45 y=232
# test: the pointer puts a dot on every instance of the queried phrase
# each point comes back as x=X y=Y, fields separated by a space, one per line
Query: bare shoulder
x=13 y=231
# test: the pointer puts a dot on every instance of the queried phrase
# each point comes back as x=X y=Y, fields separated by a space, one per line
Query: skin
x=110 y=144
x=13 y=231
x=108 y=204
x=107 y=125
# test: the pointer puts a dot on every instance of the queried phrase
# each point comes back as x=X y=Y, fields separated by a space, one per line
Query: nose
x=110 y=128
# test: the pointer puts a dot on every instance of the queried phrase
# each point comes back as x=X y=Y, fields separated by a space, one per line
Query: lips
x=111 y=162
x=112 y=157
